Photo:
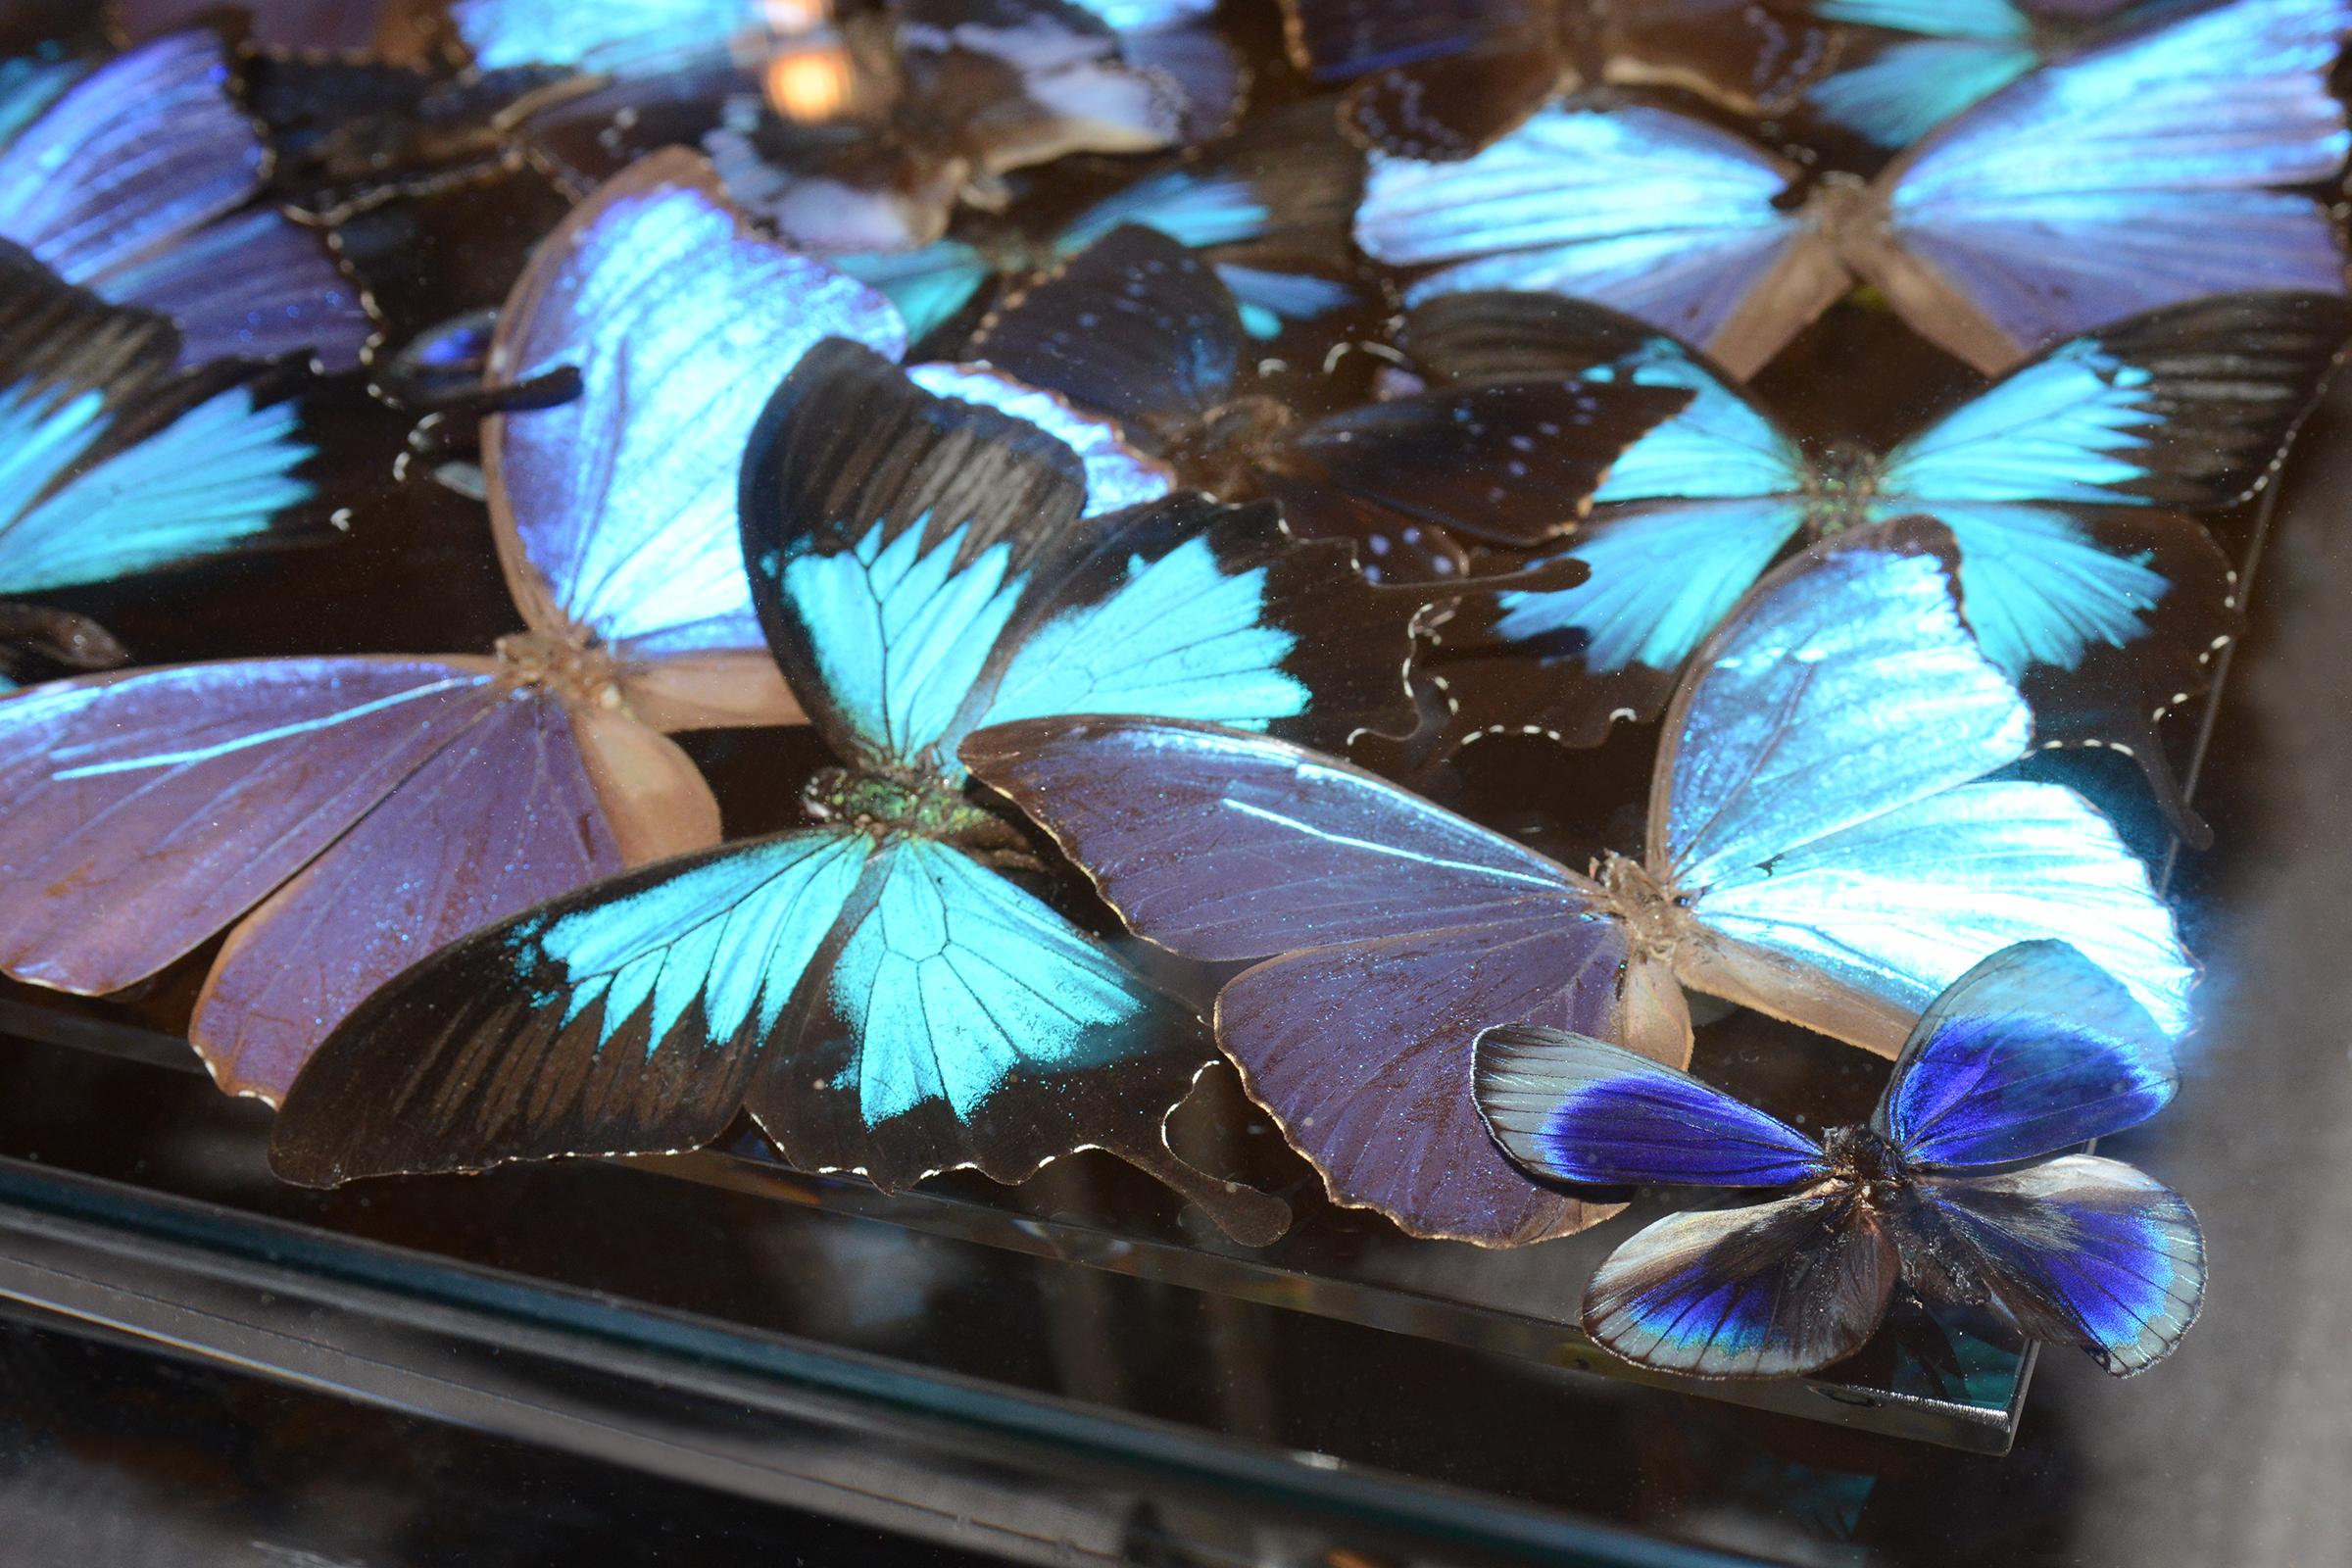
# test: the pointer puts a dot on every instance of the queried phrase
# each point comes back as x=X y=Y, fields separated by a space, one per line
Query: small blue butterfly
x=2030 y=1052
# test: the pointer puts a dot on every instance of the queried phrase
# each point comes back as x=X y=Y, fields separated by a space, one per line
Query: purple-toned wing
x=146 y=811
x=1770 y=1291
x=134 y=183
x=617 y=510
x=1582 y=1110
x=503 y=817
x=2033 y=1050
x=2081 y=1251
x=2160 y=167
x=1395 y=931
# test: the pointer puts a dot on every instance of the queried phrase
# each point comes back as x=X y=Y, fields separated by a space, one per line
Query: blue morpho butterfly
x=878 y=996
x=339 y=816
x=115 y=462
x=862 y=132
x=2159 y=167
x=2062 y=490
x=1443 y=79
x=1938 y=57
x=1825 y=844
x=140 y=179
x=1947 y=1187
x=1139 y=330
x=1270 y=208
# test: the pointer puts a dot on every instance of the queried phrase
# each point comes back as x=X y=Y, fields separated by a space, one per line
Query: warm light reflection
x=811 y=82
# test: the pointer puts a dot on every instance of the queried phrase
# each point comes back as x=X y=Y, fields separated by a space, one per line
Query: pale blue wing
x=1822 y=807
x=1965 y=51
x=221 y=472
x=624 y=1018
x=618 y=509
x=2158 y=168
x=927 y=286
x=2033 y=1050
x=625 y=39
x=1658 y=216
x=28 y=86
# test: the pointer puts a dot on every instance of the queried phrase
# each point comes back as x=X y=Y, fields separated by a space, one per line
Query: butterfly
x=1935 y=59
x=1270 y=207
x=2070 y=199
x=2064 y=491
x=2032 y=1051
x=401 y=31
x=140 y=179
x=1825 y=844
x=344 y=814
x=878 y=996
x=1444 y=80
x=1138 y=328
x=115 y=462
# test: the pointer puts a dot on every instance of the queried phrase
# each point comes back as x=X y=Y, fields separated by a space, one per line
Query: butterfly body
x=2031 y=1050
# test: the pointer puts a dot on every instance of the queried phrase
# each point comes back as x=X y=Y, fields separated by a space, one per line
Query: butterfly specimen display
x=2064 y=488
x=2066 y=201
x=343 y=812
x=879 y=998
x=2029 y=1053
x=1824 y=845
x=1040 y=579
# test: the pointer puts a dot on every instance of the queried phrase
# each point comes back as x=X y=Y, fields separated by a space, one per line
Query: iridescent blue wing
x=1387 y=934
x=137 y=181
x=923 y=570
x=1771 y=1289
x=1954 y=54
x=1687 y=518
x=2156 y=168
x=1651 y=213
x=616 y=511
x=624 y=1018
x=111 y=462
x=2081 y=1251
x=1579 y=1109
x=960 y=1022
x=2033 y=1050
x=1135 y=327
x=1821 y=801
x=623 y=38
x=929 y=286
x=2056 y=484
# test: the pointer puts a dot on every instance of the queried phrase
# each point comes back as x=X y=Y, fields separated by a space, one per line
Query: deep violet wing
x=616 y=511
x=2035 y=1049
x=2079 y=1251
x=1651 y=213
x=1386 y=933
x=859 y=486
x=1822 y=809
x=116 y=464
x=141 y=182
x=2076 y=196
x=1583 y=1110
x=1768 y=1290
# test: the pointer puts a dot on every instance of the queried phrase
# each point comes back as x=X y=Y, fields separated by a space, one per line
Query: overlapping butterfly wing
x=140 y=179
x=1770 y=1289
x=1386 y=933
x=1823 y=803
x=2034 y=1051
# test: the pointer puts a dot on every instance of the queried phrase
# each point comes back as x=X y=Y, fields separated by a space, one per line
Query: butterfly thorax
x=1652 y=911
x=1846 y=211
x=872 y=803
x=571 y=664
x=1842 y=490
x=1219 y=452
x=1860 y=1156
